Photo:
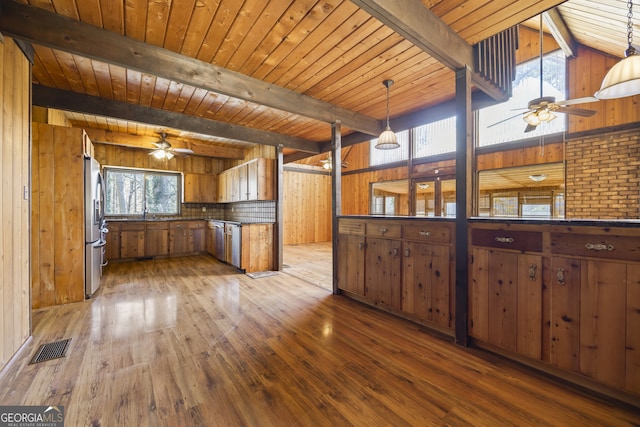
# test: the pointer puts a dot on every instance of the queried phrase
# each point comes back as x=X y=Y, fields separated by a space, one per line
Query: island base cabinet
x=595 y=322
x=382 y=274
x=426 y=275
x=351 y=265
x=506 y=300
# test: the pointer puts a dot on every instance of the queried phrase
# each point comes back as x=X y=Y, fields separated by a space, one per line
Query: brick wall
x=603 y=176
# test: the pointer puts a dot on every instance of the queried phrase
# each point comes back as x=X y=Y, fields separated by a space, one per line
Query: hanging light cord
x=387 y=84
x=631 y=50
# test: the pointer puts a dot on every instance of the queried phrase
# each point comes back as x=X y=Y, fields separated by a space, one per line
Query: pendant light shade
x=387 y=139
x=623 y=79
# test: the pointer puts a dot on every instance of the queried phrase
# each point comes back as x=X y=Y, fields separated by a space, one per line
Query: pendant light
x=387 y=139
x=623 y=79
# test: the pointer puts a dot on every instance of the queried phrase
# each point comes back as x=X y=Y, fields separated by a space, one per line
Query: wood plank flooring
x=311 y=262
x=191 y=342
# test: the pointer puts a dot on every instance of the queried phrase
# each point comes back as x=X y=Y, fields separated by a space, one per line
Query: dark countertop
x=542 y=221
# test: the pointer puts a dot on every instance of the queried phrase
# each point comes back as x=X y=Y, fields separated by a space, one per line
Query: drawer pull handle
x=383 y=230
x=360 y=245
x=504 y=239
x=395 y=252
x=560 y=276
x=407 y=253
x=532 y=271
x=425 y=233
x=599 y=247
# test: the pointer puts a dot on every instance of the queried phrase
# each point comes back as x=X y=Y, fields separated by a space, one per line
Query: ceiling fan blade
x=508 y=118
x=575 y=101
x=576 y=111
x=529 y=128
x=182 y=150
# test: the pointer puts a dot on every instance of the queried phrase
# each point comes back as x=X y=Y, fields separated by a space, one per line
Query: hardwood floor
x=311 y=262
x=189 y=341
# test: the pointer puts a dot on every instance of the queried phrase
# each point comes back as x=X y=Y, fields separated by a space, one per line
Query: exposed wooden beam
x=408 y=121
x=69 y=101
x=59 y=32
x=560 y=32
x=416 y=23
x=138 y=141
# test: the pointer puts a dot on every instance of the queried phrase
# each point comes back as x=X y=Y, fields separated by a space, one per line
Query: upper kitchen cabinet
x=249 y=181
x=200 y=188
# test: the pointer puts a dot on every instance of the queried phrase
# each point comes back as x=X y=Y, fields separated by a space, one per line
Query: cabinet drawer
x=530 y=241
x=428 y=232
x=162 y=225
x=196 y=224
x=382 y=229
x=625 y=248
x=178 y=225
x=132 y=226
x=347 y=226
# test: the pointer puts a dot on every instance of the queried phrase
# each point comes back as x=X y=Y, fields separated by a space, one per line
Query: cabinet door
x=241 y=176
x=178 y=239
x=112 y=248
x=382 y=272
x=506 y=300
x=157 y=242
x=131 y=244
x=223 y=195
x=633 y=329
x=252 y=180
x=197 y=243
x=426 y=282
x=351 y=263
x=200 y=188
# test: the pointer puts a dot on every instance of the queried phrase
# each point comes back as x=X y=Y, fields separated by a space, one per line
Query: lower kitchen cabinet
x=132 y=240
x=186 y=237
x=197 y=238
x=595 y=307
x=256 y=247
x=404 y=266
x=157 y=239
x=351 y=268
x=112 y=246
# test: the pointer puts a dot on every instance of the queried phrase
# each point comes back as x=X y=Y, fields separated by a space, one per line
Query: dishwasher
x=233 y=237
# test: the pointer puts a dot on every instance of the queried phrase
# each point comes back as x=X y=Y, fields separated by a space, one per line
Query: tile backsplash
x=246 y=212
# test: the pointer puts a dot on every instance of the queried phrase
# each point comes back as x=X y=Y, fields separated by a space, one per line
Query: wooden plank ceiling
x=330 y=51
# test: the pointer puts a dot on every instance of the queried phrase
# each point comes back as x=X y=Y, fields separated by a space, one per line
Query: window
x=382 y=157
x=525 y=88
x=390 y=197
x=435 y=138
x=136 y=192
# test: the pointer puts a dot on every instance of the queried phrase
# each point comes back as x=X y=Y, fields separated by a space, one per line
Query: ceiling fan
x=328 y=162
x=544 y=108
x=165 y=151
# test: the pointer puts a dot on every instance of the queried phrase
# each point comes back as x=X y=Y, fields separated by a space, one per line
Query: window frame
x=145 y=172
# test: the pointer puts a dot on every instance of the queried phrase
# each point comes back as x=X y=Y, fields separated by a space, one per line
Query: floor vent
x=261 y=274
x=54 y=350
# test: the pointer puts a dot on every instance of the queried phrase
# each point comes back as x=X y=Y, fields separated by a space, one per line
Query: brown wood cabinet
x=351 y=244
x=112 y=247
x=157 y=238
x=401 y=265
x=179 y=238
x=132 y=241
x=595 y=307
x=256 y=247
x=427 y=273
x=200 y=188
x=197 y=242
x=566 y=296
x=250 y=181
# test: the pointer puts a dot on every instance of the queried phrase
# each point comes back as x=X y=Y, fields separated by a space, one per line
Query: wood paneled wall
x=15 y=119
x=113 y=155
x=57 y=241
x=307 y=207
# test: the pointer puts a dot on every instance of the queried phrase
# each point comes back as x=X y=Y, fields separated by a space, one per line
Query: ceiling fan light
x=544 y=115
x=623 y=79
x=159 y=154
x=168 y=155
x=532 y=119
x=387 y=140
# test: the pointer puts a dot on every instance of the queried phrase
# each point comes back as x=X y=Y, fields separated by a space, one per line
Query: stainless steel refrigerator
x=95 y=226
